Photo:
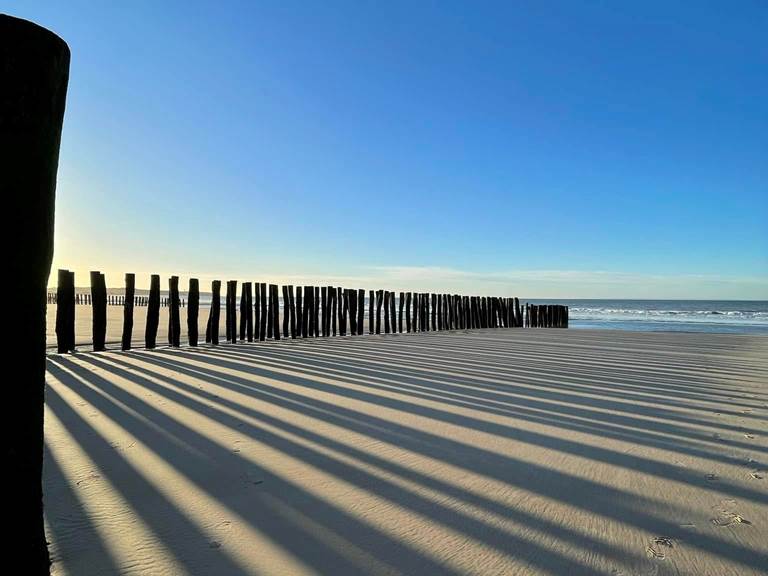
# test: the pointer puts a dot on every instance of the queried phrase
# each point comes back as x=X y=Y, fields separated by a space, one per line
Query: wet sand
x=484 y=452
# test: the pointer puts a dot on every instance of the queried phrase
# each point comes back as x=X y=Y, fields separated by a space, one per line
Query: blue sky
x=550 y=149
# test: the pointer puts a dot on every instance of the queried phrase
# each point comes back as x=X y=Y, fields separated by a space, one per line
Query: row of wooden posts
x=308 y=311
x=114 y=300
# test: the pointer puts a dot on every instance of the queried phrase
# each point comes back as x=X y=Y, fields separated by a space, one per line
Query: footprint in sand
x=729 y=519
x=658 y=547
x=757 y=474
x=749 y=436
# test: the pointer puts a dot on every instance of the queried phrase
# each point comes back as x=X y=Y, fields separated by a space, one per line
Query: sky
x=534 y=149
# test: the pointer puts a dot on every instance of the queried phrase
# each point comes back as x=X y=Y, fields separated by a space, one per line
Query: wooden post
x=271 y=327
x=174 y=318
x=301 y=326
x=215 y=313
x=371 y=300
x=379 y=302
x=352 y=311
x=227 y=306
x=292 y=306
x=263 y=313
x=324 y=311
x=130 y=289
x=360 y=310
x=333 y=308
x=386 y=312
x=243 y=310
x=400 y=303
x=193 y=310
x=339 y=301
x=99 y=314
x=317 y=311
x=256 y=310
x=248 y=311
x=275 y=310
x=286 y=311
x=344 y=302
x=65 y=311
x=408 y=312
x=153 y=312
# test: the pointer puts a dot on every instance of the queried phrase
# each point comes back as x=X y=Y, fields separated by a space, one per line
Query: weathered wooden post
x=243 y=310
x=301 y=322
x=343 y=310
x=360 y=310
x=271 y=328
x=174 y=318
x=340 y=312
x=386 y=311
x=193 y=310
x=286 y=311
x=130 y=290
x=323 y=310
x=215 y=311
x=263 y=314
x=99 y=311
x=317 y=311
x=256 y=310
x=352 y=298
x=249 y=311
x=379 y=302
x=408 y=312
x=292 y=304
x=65 y=310
x=371 y=299
x=275 y=310
x=333 y=305
x=34 y=67
x=400 y=304
x=153 y=312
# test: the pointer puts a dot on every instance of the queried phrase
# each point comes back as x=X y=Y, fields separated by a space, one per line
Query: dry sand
x=490 y=452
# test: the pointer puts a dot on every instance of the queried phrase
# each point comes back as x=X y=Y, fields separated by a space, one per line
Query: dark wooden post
x=333 y=299
x=317 y=311
x=400 y=304
x=215 y=311
x=263 y=314
x=275 y=309
x=248 y=311
x=65 y=310
x=324 y=311
x=379 y=302
x=301 y=322
x=227 y=306
x=386 y=311
x=360 y=310
x=99 y=316
x=174 y=318
x=256 y=310
x=371 y=299
x=342 y=314
x=407 y=311
x=309 y=294
x=271 y=327
x=286 y=311
x=130 y=291
x=243 y=310
x=153 y=312
x=392 y=314
x=193 y=310
x=34 y=67
x=352 y=298
x=292 y=306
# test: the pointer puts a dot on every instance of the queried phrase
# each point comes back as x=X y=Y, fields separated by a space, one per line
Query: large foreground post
x=34 y=71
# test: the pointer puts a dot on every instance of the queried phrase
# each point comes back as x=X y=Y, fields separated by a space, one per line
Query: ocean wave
x=724 y=316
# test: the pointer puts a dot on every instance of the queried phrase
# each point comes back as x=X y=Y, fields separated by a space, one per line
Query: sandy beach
x=486 y=452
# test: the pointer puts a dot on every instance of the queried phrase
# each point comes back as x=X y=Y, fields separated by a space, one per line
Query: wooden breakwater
x=260 y=311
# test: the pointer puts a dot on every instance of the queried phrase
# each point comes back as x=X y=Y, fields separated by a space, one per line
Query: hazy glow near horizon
x=554 y=150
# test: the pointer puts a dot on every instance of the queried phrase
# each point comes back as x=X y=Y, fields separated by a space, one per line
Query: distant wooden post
x=371 y=300
x=292 y=303
x=130 y=290
x=317 y=311
x=301 y=326
x=271 y=327
x=243 y=311
x=360 y=310
x=174 y=318
x=275 y=309
x=99 y=316
x=400 y=304
x=193 y=310
x=379 y=302
x=248 y=311
x=407 y=311
x=256 y=310
x=392 y=314
x=65 y=311
x=324 y=311
x=333 y=304
x=352 y=298
x=386 y=311
x=153 y=312
x=303 y=312
x=263 y=315
x=286 y=311
x=341 y=313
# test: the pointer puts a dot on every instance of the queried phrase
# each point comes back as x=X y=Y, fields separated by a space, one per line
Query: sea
x=734 y=316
